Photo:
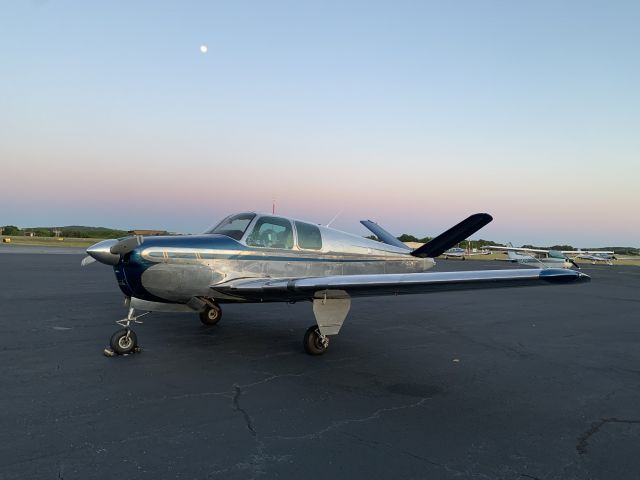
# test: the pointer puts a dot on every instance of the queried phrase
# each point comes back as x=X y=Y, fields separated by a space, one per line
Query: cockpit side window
x=271 y=232
x=233 y=226
x=309 y=237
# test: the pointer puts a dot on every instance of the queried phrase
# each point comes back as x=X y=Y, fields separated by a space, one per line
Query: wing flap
x=515 y=249
x=291 y=289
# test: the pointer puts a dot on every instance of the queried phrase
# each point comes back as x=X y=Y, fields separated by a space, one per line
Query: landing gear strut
x=125 y=340
x=315 y=343
x=211 y=314
x=330 y=308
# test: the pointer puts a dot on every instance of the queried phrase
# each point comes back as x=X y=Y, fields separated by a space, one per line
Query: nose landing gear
x=125 y=340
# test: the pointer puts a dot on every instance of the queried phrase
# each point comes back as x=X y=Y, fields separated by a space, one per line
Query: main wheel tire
x=121 y=343
x=313 y=343
x=211 y=315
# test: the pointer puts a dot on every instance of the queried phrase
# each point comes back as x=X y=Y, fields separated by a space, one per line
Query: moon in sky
x=203 y=48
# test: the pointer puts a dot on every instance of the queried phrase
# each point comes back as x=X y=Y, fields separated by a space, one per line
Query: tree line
x=405 y=237
x=69 y=231
x=102 y=232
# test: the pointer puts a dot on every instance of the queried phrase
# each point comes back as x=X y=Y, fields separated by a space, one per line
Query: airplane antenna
x=334 y=218
x=273 y=207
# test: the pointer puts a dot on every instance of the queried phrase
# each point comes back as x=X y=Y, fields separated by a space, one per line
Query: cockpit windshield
x=556 y=254
x=233 y=226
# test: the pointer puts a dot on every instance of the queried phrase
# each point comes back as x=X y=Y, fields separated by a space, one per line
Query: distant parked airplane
x=457 y=252
x=536 y=257
x=594 y=256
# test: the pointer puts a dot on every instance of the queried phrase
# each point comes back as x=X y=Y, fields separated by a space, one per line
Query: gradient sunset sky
x=412 y=114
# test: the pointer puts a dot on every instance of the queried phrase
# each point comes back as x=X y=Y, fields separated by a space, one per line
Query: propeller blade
x=571 y=260
x=87 y=261
x=126 y=245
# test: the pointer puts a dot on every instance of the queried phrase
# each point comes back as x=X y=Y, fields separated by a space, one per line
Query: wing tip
x=563 y=275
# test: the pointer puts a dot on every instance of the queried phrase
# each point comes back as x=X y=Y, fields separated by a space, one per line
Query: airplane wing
x=589 y=252
x=516 y=249
x=306 y=288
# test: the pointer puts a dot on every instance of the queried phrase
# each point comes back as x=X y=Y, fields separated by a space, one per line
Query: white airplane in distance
x=594 y=256
x=461 y=253
x=536 y=256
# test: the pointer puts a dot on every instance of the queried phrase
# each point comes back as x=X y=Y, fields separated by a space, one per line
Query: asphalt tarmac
x=529 y=383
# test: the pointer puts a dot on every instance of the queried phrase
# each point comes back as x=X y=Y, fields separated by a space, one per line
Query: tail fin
x=382 y=234
x=453 y=236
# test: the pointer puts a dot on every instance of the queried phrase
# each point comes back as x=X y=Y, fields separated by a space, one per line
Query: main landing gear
x=125 y=340
x=330 y=308
x=211 y=314
x=315 y=343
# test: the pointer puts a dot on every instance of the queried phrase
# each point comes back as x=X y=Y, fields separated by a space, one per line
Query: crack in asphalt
x=272 y=377
x=581 y=446
x=393 y=448
x=334 y=425
x=375 y=444
x=254 y=462
x=238 y=408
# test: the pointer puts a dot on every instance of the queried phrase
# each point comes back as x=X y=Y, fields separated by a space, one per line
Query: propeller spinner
x=110 y=251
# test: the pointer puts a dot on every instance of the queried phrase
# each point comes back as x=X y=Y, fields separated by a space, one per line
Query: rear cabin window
x=271 y=232
x=309 y=237
x=233 y=226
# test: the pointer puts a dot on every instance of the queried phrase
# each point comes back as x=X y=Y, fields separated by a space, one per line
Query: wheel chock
x=110 y=353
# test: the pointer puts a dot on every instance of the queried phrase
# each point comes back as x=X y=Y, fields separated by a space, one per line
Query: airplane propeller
x=88 y=260
x=126 y=245
x=110 y=251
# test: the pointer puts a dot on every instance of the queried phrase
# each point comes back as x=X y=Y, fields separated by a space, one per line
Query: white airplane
x=461 y=253
x=594 y=256
x=536 y=257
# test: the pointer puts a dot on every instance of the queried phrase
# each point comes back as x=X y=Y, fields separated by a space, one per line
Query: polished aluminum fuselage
x=178 y=268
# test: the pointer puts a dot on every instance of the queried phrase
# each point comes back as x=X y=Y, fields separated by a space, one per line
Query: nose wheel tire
x=124 y=341
x=211 y=315
x=314 y=342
